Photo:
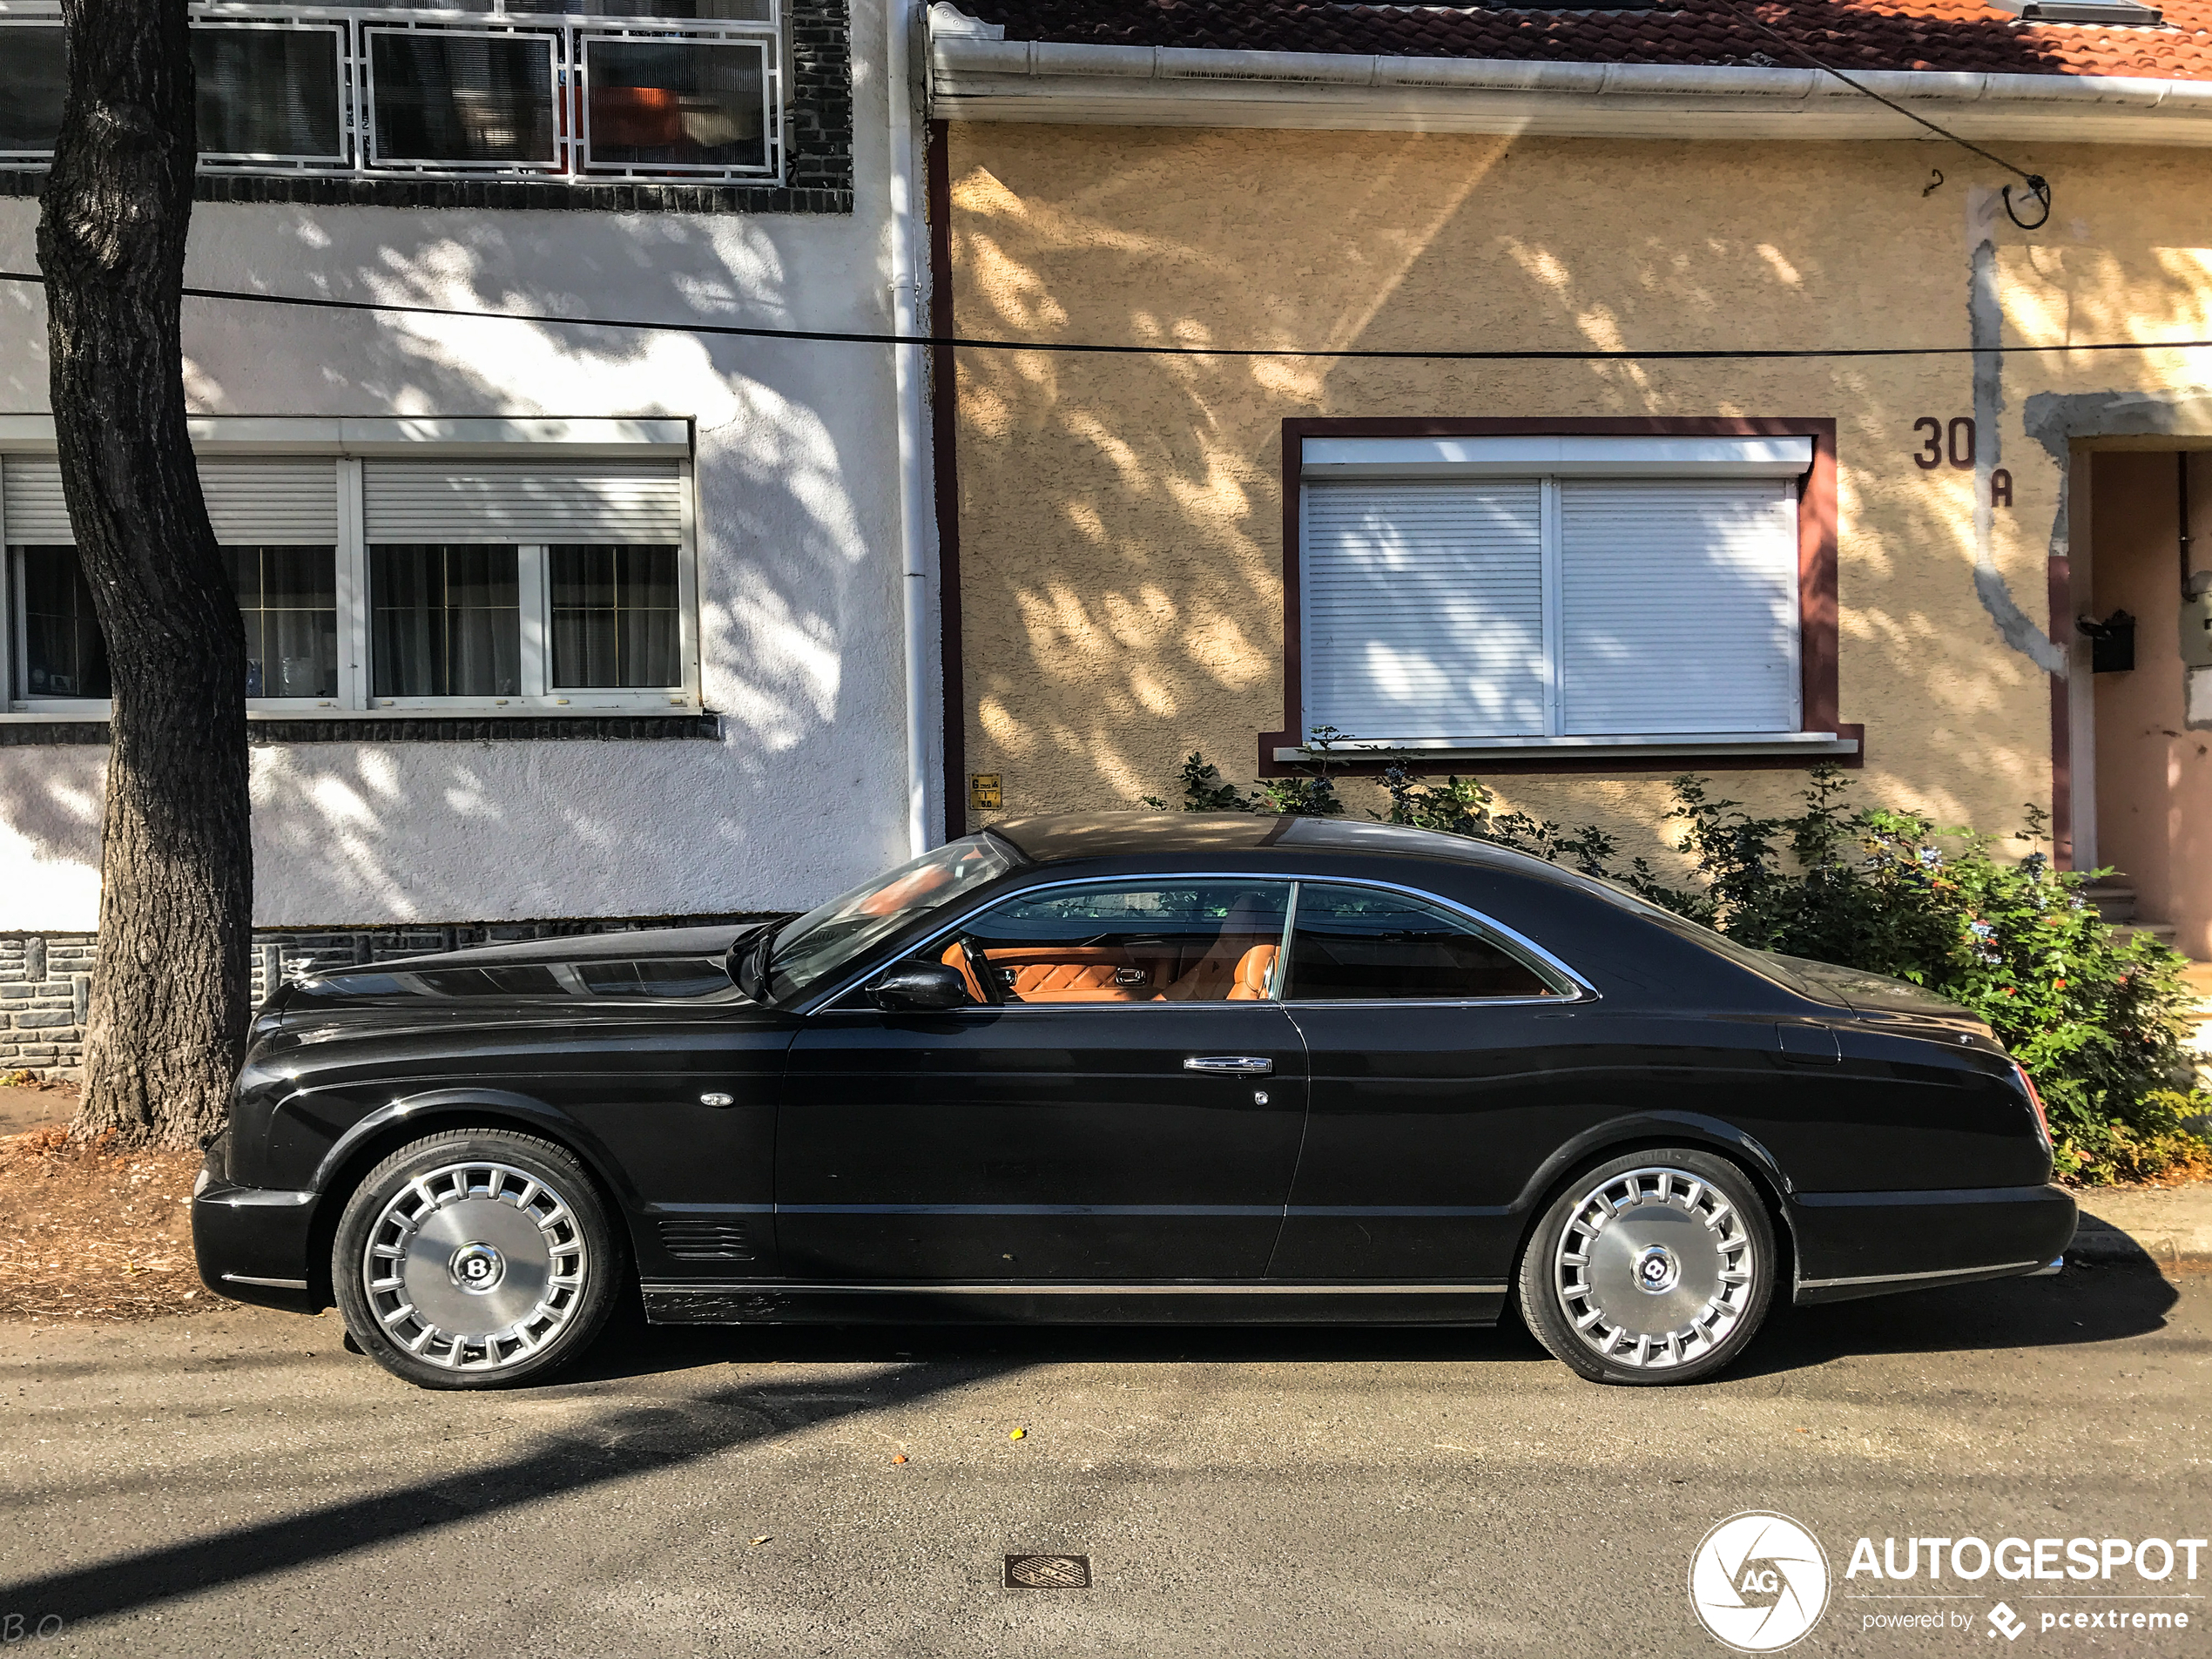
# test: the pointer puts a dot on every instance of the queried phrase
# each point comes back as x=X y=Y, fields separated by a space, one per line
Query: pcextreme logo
x=1759 y=1581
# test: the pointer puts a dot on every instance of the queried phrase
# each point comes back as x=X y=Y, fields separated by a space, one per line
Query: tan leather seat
x=1227 y=975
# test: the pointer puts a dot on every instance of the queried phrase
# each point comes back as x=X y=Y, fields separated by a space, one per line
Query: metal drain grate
x=707 y=1241
x=1047 y=1572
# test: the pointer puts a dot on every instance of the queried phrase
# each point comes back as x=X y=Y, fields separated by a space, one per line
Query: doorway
x=2149 y=766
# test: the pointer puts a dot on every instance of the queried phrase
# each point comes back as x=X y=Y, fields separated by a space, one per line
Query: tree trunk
x=169 y=989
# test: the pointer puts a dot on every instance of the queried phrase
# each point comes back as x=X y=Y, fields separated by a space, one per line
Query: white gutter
x=974 y=78
x=914 y=525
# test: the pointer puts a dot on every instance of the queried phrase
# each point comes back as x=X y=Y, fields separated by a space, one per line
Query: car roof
x=1064 y=837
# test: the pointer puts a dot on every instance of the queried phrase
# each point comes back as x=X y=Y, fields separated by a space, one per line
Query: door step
x=2114 y=899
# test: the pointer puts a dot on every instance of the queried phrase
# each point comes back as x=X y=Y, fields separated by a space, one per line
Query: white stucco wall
x=797 y=538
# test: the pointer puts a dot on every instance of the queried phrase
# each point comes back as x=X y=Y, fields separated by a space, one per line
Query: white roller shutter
x=249 y=502
x=1679 y=605
x=1424 y=609
x=271 y=501
x=634 y=501
x=31 y=492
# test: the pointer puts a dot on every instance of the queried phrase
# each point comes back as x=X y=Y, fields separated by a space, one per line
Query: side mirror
x=921 y=988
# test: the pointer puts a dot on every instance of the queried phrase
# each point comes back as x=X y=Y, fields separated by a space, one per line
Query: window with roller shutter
x=536 y=583
x=1554 y=592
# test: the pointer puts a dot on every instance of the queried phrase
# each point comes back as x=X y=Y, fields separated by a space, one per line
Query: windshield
x=830 y=936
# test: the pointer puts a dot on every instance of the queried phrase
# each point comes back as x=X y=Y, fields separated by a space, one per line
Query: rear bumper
x=1869 y=1244
x=252 y=1245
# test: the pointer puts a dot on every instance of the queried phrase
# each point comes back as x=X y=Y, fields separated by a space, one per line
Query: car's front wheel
x=1654 y=1268
x=476 y=1259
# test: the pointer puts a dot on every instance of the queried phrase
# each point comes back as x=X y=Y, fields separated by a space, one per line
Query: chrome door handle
x=1233 y=1065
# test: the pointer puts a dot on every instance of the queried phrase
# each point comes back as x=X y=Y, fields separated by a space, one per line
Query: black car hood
x=642 y=968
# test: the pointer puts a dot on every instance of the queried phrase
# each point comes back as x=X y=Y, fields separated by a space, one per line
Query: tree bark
x=169 y=988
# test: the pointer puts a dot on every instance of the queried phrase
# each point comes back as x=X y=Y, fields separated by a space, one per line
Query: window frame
x=1821 y=735
x=535 y=697
x=1567 y=985
x=568 y=36
x=1573 y=988
x=339 y=31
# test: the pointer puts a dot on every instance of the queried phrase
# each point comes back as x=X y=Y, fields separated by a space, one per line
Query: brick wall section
x=44 y=978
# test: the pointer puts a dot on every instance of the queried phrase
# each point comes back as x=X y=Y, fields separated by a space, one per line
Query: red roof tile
x=1949 y=34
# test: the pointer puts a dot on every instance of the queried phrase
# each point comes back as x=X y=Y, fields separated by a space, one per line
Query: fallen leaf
x=901 y=1458
x=765 y=1538
x=1019 y=1434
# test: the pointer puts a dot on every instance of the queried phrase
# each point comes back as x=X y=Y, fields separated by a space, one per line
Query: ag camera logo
x=1758 y=1581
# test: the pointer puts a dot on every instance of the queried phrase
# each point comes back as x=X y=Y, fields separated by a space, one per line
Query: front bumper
x=1869 y=1244
x=254 y=1245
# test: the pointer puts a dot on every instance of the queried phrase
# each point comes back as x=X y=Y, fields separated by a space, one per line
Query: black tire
x=477 y=1259
x=1652 y=1269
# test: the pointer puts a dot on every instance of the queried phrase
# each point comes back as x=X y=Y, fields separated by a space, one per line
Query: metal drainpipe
x=913 y=500
x=2182 y=508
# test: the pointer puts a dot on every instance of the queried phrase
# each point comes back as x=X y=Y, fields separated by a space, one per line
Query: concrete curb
x=2168 y=1226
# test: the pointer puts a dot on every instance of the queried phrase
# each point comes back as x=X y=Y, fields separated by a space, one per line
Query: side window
x=1134 y=941
x=1360 y=944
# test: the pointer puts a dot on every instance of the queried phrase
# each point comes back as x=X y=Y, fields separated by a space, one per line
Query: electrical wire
x=858 y=337
x=2038 y=186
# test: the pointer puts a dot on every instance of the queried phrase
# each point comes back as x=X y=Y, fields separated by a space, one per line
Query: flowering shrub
x=2097 y=1020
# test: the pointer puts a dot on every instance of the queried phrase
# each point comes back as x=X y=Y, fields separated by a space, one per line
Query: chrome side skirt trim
x=1915 y=1278
x=270 y=1283
x=1108 y=1287
x=2054 y=1266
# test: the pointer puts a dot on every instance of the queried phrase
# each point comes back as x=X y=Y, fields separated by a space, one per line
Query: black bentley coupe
x=1127 y=1069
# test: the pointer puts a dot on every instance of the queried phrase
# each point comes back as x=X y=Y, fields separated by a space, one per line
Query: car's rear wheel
x=476 y=1259
x=1654 y=1268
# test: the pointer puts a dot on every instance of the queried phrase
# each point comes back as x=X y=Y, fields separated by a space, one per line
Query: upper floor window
x=580 y=91
x=533 y=584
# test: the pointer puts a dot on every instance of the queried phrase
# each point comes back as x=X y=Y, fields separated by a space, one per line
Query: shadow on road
x=2083 y=1304
x=624 y=1443
x=2080 y=1306
x=915 y=1363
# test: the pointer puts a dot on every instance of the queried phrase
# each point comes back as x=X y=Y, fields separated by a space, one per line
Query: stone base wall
x=45 y=978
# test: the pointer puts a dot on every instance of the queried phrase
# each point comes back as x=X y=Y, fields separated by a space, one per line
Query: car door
x=1122 y=1101
x=1438 y=1047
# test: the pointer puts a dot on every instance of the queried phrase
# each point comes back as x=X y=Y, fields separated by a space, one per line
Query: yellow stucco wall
x=1120 y=518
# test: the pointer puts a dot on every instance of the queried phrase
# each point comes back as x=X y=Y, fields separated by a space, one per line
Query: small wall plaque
x=983 y=791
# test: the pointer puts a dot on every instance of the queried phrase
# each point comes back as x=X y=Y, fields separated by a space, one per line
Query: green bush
x=2097 y=1021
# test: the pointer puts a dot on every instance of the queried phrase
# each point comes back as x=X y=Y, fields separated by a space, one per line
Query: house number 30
x=1954 y=442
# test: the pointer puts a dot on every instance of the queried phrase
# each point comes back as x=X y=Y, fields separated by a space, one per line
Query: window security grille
x=576 y=90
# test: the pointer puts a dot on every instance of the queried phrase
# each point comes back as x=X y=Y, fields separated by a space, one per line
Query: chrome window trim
x=1580 y=990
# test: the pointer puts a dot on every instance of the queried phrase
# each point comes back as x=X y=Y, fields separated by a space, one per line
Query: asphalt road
x=237 y=1483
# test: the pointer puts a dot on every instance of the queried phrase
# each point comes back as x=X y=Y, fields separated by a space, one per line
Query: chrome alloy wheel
x=1654 y=1268
x=475 y=1266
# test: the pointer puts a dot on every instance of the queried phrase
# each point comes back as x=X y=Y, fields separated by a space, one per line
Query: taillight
x=2042 y=1118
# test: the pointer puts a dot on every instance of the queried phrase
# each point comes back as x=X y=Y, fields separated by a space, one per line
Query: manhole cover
x=1047 y=1572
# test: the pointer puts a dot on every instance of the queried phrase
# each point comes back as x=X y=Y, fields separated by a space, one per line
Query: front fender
x=493 y=1107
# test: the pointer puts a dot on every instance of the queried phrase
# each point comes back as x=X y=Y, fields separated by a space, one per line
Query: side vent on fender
x=707 y=1241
